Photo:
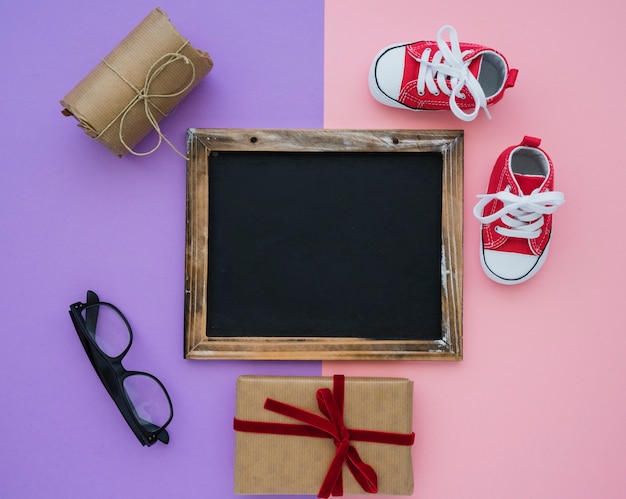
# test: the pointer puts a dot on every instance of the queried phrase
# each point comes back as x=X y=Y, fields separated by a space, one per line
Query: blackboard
x=324 y=244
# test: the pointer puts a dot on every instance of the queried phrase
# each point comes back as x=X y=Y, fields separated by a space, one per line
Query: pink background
x=537 y=407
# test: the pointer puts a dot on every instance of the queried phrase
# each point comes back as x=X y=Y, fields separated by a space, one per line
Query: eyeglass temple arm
x=91 y=314
x=163 y=436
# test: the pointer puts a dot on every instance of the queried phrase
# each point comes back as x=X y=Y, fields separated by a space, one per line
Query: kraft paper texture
x=275 y=464
x=142 y=80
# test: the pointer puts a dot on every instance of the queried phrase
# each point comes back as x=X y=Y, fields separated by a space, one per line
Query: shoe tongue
x=528 y=183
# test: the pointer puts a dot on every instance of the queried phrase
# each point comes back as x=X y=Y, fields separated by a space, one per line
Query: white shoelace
x=448 y=62
x=523 y=214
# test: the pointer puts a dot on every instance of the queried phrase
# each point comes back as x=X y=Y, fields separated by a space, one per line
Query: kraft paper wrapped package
x=323 y=435
x=134 y=87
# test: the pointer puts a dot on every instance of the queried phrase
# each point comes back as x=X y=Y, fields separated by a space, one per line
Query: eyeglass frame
x=112 y=373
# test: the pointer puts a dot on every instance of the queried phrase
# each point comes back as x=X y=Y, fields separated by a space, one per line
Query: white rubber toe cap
x=511 y=268
x=386 y=75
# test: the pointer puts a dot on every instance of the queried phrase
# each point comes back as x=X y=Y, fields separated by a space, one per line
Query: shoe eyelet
x=421 y=94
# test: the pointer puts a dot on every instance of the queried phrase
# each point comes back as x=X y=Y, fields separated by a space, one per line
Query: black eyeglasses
x=141 y=398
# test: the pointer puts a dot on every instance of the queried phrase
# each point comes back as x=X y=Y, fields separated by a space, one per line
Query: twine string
x=143 y=95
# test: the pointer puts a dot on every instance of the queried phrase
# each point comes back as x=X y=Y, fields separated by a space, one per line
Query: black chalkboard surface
x=320 y=244
x=335 y=244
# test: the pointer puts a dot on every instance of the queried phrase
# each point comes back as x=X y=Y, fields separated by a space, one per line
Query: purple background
x=74 y=217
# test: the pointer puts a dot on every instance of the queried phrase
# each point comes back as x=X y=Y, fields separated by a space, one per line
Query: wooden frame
x=202 y=142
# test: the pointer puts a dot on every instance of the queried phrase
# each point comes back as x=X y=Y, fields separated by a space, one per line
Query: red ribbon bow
x=330 y=404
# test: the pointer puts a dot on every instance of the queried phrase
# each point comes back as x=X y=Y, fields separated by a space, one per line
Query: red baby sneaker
x=516 y=213
x=435 y=76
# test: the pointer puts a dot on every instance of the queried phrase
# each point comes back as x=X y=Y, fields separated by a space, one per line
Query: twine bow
x=145 y=97
x=332 y=425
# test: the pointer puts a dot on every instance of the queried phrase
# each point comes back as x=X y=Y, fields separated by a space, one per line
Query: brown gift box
x=287 y=464
x=136 y=85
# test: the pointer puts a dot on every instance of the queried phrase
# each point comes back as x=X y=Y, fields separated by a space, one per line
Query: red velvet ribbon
x=332 y=426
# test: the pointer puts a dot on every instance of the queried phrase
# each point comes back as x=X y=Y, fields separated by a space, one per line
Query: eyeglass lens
x=107 y=328
x=149 y=401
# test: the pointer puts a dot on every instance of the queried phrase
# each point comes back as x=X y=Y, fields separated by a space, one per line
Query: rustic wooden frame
x=197 y=345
